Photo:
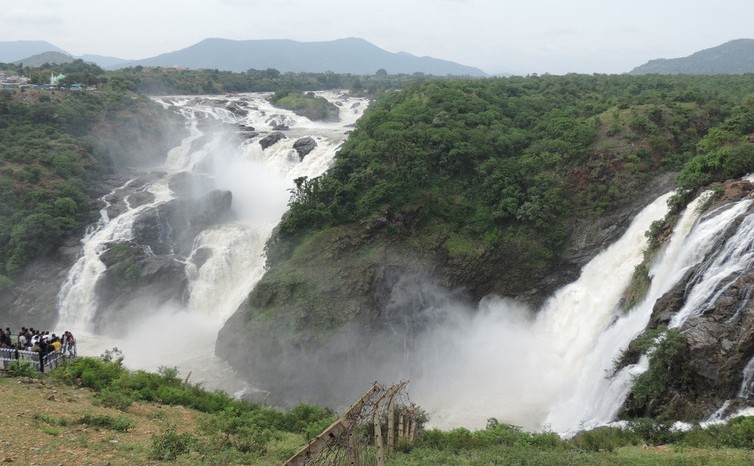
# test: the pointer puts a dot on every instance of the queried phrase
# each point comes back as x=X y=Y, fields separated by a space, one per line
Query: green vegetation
x=213 y=429
x=164 y=81
x=76 y=72
x=668 y=355
x=630 y=445
x=481 y=182
x=231 y=428
x=54 y=147
x=512 y=160
x=726 y=151
x=119 y=423
x=308 y=105
x=126 y=268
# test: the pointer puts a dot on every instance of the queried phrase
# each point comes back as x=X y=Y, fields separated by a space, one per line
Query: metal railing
x=47 y=363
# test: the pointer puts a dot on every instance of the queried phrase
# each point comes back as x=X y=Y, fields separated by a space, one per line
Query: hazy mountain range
x=734 y=57
x=352 y=55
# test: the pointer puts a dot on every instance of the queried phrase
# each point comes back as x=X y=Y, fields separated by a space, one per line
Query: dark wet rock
x=136 y=284
x=280 y=121
x=271 y=139
x=171 y=227
x=249 y=135
x=200 y=256
x=140 y=198
x=33 y=301
x=304 y=145
x=237 y=109
x=718 y=343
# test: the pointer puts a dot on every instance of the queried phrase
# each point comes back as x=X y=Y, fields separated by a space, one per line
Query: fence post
x=41 y=363
x=378 y=445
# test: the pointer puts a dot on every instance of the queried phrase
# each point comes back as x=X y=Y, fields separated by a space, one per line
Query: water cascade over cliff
x=176 y=250
x=555 y=368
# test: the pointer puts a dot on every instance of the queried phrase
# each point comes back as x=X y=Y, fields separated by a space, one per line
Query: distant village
x=8 y=81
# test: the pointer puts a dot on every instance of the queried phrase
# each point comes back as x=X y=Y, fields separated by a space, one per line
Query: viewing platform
x=42 y=363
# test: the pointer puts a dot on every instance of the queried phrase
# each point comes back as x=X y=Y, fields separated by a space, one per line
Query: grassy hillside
x=95 y=412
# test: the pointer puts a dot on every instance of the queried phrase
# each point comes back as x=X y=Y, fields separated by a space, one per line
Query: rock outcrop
x=149 y=271
x=718 y=342
x=304 y=145
x=271 y=139
x=371 y=283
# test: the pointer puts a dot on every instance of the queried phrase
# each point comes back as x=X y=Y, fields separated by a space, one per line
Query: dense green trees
x=727 y=151
x=51 y=156
x=305 y=104
x=162 y=81
x=509 y=161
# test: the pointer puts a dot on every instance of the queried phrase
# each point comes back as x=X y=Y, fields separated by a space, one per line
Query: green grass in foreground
x=219 y=430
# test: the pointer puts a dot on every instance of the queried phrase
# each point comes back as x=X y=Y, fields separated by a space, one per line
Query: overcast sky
x=517 y=36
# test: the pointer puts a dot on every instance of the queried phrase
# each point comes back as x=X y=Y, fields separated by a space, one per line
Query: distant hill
x=46 y=57
x=734 y=57
x=13 y=51
x=356 y=56
x=103 y=61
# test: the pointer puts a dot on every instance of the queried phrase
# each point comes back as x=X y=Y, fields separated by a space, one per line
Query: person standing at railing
x=5 y=339
x=56 y=344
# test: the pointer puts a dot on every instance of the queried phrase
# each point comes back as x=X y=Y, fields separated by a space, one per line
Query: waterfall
x=77 y=301
x=504 y=363
x=553 y=368
x=227 y=259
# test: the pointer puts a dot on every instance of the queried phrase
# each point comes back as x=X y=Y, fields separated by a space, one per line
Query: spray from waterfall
x=508 y=362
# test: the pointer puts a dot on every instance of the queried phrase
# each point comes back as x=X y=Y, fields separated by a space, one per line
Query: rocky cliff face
x=718 y=343
x=352 y=300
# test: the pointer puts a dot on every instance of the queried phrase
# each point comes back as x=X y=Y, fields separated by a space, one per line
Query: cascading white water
x=77 y=301
x=502 y=363
x=184 y=335
x=720 y=272
x=747 y=383
x=554 y=371
x=596 y=398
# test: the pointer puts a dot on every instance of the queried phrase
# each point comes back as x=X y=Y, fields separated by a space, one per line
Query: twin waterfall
x=550 y=369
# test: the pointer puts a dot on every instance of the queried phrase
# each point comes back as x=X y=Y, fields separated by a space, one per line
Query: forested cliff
x=462 y=189
x=60 y=151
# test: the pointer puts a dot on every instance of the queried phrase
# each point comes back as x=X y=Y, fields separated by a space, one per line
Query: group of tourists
x=42 y=342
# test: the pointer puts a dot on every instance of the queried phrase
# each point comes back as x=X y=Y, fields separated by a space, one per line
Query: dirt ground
x=40 y=425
